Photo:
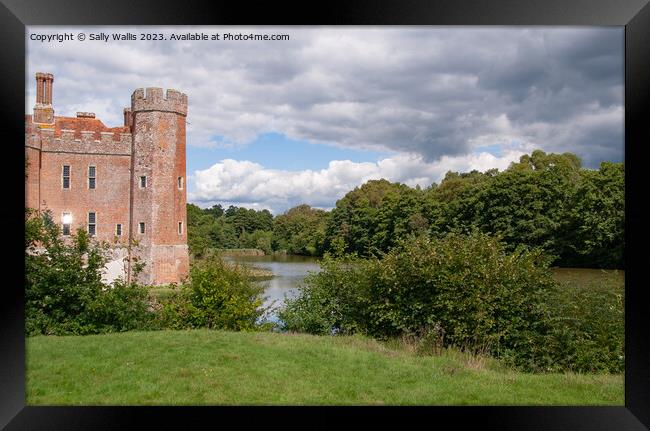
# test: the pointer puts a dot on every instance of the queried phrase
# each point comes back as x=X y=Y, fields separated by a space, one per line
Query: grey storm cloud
x=429 y=91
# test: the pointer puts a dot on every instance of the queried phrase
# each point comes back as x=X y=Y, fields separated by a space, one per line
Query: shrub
x=585 y=330
x=217 y=296
x=468 y=285
x=63 y=288
x=330 y=301
x=122 y=307
x=470 y=293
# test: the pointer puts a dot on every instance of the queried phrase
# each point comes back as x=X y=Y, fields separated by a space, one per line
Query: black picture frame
x=633 y=14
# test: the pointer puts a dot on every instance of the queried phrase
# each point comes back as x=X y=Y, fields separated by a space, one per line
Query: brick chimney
x=43 y=111
x=128 y=118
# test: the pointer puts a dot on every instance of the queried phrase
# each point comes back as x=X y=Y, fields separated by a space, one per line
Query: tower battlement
x=153 y=99
x=85 y=142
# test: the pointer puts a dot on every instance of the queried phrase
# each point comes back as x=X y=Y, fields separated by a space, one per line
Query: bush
x=217 y=296
x=468 y=292
x=63 y=288
x=466 y=285
x=330 y=301
x=585 y=331
x=122 y=307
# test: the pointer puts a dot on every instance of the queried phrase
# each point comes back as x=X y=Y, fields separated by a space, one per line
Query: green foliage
x=467 y=284
x=217 y=296
x=249 y=220
x=369 y=219
x=122 y=307
x=585 y=330
x=455 y=184
x=598 y=218
x=214 y=228
x=63 y=288
x=259 y=239
x=421 y=283
x=206 y=230
x=301 y=230
x=467 y=291
x=524 y=206
x=330 y=301
x=545 y=200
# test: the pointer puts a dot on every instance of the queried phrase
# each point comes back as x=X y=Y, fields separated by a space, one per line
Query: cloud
x=436 y=92
x=245 y=183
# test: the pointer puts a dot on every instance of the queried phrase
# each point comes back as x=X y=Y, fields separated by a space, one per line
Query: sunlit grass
x=218 y=367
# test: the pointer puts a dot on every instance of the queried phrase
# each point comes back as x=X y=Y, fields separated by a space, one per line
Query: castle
x=125 y=185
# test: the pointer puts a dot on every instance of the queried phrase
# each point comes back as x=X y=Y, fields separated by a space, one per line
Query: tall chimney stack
x=43 y=111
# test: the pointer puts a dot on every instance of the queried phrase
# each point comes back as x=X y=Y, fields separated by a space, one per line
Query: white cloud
x=249 y=184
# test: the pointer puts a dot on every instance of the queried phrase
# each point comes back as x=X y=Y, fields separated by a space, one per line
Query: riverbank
x=206 y=367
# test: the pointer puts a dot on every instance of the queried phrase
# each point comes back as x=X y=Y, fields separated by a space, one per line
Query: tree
x=215 y=210
x=300 y=230
x=598 y=218
x=527 y=204
x=455 y=184
x=64 y=293
x=199 y=226
x=364 y=219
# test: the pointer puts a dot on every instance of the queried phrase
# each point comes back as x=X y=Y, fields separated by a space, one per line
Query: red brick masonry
x=151 y=143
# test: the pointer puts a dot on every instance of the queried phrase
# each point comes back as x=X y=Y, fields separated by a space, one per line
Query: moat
x=288 y=273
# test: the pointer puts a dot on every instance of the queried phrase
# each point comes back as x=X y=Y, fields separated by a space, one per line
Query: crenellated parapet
x=86 y=142
x=153 y=99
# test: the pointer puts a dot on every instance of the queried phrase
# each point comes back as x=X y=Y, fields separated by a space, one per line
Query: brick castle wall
x=151 y=143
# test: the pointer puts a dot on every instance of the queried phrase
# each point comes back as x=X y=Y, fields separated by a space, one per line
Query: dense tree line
x=575 y=215
x=235 y=227
x=300 y=230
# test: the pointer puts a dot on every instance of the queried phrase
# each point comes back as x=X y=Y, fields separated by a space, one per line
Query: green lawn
x=585 y=277
x=218 y=367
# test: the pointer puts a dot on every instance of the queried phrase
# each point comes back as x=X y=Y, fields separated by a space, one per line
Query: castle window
x=118 y=229
x=91 y=177
x=180 y=228
x=143 y=182
x=66 y=220
x=66 y=176
x=180 y=183
x=141 y=227
x=91 y=224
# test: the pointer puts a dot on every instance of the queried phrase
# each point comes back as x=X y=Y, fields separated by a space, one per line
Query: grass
x=584 y=277
x=162 y=292
x=203 y=367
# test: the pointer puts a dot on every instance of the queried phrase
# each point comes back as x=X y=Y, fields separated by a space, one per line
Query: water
x=288 y=273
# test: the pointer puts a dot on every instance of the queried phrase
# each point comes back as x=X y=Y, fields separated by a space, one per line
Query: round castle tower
x=158 y=193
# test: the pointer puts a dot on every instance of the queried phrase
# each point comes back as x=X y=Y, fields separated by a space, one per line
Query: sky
x=276 y=123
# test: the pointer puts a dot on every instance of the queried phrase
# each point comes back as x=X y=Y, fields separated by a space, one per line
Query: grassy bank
x=217 y=367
